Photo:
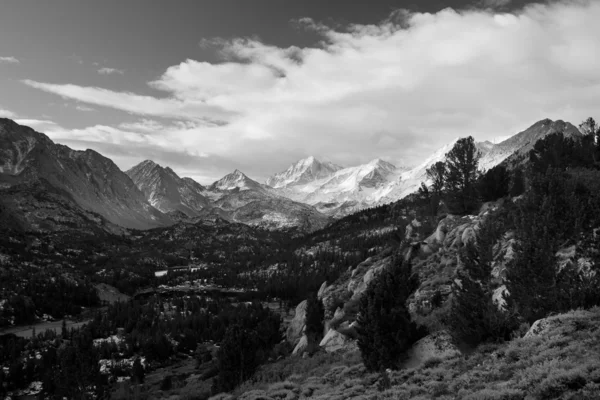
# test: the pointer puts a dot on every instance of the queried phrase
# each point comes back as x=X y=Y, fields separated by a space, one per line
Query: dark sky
x=131 y=79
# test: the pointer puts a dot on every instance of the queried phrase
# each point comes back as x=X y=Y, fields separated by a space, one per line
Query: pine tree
x=314 y=316
x=494 y=184
x=474 y=317
x=137 y=371
x=385 y=329
x=237 y=358
x=461 y=176
x=437 y=175
x=517 y=187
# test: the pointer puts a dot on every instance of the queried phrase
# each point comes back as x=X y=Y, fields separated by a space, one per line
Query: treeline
x=68 y=363
x=30 y=293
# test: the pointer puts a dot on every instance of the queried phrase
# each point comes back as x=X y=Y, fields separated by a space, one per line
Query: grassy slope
x=561 y=363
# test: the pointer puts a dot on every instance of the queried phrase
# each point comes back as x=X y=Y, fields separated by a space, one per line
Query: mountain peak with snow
x=303 y=171
x=235 y=180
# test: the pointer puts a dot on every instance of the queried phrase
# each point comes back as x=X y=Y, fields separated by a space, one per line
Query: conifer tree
x=461 y=176
x=517 y=187
x=474 y=316
x=237 y=358
x=385 y=328
x=314 y=316
x=494 y=184
x=437 y=174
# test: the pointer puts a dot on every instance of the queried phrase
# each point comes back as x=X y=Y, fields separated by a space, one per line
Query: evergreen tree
x=461 y=176
x=474 y=317
x=552 y=213
x=385 y=329
x=137 y=371
x=237 y=358
x=314 y=317
x=517 y=187
x=494 y=184
x=437 y=175
x=589 y=127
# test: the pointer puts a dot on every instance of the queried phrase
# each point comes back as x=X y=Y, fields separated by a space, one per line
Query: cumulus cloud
x=9 y=60
x=109 y=71
x=396 y=90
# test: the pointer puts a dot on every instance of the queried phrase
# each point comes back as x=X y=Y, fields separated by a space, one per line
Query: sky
x=207 y=87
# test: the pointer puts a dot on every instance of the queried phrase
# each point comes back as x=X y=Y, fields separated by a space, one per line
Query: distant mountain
x=93 y=181
x=347 y=190
x=304 y=171
x=334 y=190
x=235 y=180
x=515 y=149
x=166 y=191
x=238 y=198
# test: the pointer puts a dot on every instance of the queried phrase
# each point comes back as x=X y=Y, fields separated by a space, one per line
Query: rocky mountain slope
x=235 y=198
x=519 y=145
x=94 y=182
x=333 y=190
x=166 y=191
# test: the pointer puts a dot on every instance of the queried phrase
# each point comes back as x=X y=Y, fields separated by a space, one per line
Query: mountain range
x=47 y=186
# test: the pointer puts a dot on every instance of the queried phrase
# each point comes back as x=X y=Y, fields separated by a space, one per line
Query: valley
x=168 y=310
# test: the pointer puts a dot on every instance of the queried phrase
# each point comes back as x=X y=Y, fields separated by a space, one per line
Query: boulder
x=321 y=291
x=296 y=328
x=498 y=297
x=468 y=235
x=542 y=326
x=439 y=345
x=301 y=347
x=335 y=341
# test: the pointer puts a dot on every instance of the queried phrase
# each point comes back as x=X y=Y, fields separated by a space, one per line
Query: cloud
x=495 y=3
x=40 y=125
x=6 y=113
x=133 y=103
x=79 y=107
x=109 y=71
x=397 y=90
x=144 y=125
x=9 y=60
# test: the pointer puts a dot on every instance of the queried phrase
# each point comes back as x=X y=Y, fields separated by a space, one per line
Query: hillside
x=93 y=181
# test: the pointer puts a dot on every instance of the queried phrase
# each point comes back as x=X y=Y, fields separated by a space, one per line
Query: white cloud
x=109 y=71
x=6 y=114
x=40 y=125
x=79 y=107
x=397 y=90
x=144 y=125
x=9 y=60
x=133 y=103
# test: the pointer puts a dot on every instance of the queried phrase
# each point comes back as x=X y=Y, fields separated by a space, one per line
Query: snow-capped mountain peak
x=235 y=180
x=303 y=171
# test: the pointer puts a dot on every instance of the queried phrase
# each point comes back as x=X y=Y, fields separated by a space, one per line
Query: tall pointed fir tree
x=474 y=316
x=461 y=176
x=385 y=329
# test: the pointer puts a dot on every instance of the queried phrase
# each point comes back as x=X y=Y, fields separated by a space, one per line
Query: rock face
x=439 y=344
x=335 y=341
x=92 y=181
x=166 y=191
x=295 y=330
